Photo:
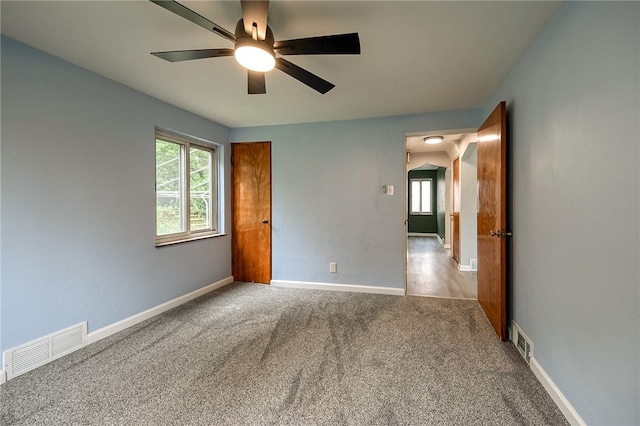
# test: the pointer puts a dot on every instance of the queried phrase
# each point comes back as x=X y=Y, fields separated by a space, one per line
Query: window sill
x=186 y=240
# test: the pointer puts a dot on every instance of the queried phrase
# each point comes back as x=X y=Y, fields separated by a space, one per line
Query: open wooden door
x=455 y=215
x=251 y=212
x=492 y=219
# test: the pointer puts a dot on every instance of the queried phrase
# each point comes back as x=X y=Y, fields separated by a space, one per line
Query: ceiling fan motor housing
x=241 y=35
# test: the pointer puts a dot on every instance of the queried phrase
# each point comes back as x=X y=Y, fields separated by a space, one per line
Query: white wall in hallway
x=468 y=206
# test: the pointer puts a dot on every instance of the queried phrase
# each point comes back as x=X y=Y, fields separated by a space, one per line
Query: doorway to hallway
x=431 y=271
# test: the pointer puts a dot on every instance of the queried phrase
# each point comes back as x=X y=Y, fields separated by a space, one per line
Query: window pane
x=426 y=196
x=168 y=203
x=200 y=196
x=186 y=188
x=415 y=196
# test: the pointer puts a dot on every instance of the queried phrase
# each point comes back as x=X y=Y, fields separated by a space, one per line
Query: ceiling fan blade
x=186 y=13
x=255 y=12
x=187 y=55
x=304 y=76
x=341 y=44
x=256 y=83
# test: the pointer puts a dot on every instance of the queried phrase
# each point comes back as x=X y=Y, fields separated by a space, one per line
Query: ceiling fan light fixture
x=255 y=48
x=255 y=55
x=433 y=140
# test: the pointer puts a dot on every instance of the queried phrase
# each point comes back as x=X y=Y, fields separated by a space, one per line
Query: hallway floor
x=432 y=272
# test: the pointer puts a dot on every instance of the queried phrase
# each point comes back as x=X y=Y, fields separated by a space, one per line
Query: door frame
x=410 y=157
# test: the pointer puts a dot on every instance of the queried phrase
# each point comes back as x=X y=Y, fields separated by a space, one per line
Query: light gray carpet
x=259 y=355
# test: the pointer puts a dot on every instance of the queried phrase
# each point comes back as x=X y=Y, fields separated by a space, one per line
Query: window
x=186 y=188
x=421 y=196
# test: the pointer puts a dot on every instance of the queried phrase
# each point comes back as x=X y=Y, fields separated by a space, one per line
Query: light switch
x=390 y=190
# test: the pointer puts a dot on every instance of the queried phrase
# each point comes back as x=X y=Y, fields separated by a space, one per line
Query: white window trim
x=216 y=224
x=420 y=213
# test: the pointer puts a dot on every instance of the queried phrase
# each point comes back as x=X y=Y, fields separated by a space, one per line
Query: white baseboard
x=422 y=234
x=561 y=401
x=103 y=332
x=466 y=268
x=338 y=287
x=3 y=377
x=428 y=234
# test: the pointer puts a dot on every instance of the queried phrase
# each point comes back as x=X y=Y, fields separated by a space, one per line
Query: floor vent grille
x=522 y=342
x=41 y=351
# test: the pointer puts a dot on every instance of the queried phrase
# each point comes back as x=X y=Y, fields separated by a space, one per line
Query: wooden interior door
x=492 y=219
x=251 y=212
x=455 y=214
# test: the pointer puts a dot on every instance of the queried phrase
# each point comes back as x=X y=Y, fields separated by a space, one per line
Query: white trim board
x=107 y=331
x=466 y=268
x=428 y=234
x=338 y=287
x=558 y=397
x=3 y=377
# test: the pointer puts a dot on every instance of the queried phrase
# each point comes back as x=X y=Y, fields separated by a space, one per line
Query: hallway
x=432 y=272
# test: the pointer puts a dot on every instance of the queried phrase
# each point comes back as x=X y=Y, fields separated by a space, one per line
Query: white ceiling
x=417 y=56
x=450 y=142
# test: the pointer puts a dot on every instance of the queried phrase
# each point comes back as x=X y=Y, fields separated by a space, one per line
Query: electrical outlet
x=333 y=267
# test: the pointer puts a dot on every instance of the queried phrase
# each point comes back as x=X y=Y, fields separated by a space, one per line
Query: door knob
x=499 y=234
x=265 y=220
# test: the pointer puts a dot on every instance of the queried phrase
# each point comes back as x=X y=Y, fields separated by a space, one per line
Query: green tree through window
x=168 y=202
x=186 y=196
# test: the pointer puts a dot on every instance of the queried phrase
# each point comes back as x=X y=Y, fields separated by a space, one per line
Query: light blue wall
x=328 y=204
x=77 y=165
x=573 y=101
x=78 y=203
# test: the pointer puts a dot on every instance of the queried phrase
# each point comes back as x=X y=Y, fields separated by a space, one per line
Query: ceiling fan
x=256 y=49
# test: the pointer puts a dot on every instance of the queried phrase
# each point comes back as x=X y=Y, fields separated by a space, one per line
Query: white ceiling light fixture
x=433 y=140
x=255 y=55
x=251 y=52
